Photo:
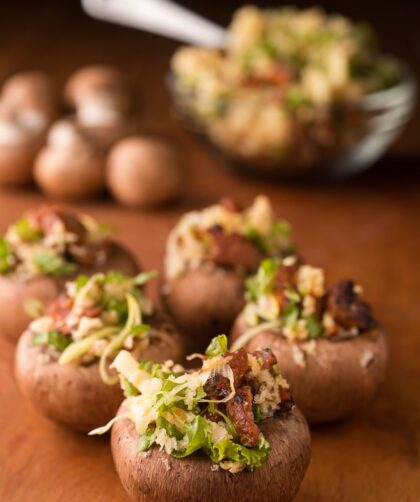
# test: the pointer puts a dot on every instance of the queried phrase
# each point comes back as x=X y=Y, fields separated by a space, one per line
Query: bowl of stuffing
x=294 y=93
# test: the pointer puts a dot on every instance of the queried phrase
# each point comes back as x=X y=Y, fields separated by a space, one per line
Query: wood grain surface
x=367 y=228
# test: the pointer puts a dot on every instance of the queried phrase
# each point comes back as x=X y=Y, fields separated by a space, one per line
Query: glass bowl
x=359 y=135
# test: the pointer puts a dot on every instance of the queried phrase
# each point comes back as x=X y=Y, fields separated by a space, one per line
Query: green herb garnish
x=53 y=338
x=314 y=327
x=52 y=264
x=263 y=282
x=281 y=227
x=6 y=256
x=291 y=314
x=129 y=389
x=80 y=281
x=144 y=277
x=25 y=231
x=218 y=346
x=257 y=239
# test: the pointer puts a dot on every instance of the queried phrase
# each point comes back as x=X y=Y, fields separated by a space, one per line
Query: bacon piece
x=217 y=386
x=60 y=307
x=233 y=249
x=239 y=364
x=265 y=357
x=92 y=311
x=287 y=401
x=46 y=216
x=347 y=309
x=286 y=275
x=230 y=205
x=80 y=250
x=58 y=310
x=277 y=76
x=88 y=255
x=239 y=410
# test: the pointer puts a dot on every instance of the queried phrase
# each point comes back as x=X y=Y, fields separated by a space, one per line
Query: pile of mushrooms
x=84 y=144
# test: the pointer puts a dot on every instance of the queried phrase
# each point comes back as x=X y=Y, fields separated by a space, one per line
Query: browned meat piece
x=278 y=75
x=60 y=307
x=89 y=254
x=233 y=249
x=80 y=250
x=45 y=217
x=287 y=401
x=286 y=276
x=217 y=387
x=58 y=310
x=265 y=357
x=230 y=204
x=92 y=311
x=346 y=308
x=74 y=226
x=239 y=364
x=320 y=306
x=239 y=410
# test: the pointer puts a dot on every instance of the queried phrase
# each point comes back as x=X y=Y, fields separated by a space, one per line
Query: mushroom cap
x=19 y=146
x=97 y=80
x=204 y=301
x=70 y=166
x=33 y=90
x=144 y=172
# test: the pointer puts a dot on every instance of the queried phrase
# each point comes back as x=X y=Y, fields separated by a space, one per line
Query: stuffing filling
x=292 y=297
x=48 y=241
x=96 y=317
x=286 y=76
x=227 y=236
x=216 y=409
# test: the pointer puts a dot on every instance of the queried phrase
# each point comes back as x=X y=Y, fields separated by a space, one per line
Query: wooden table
x=367 y=228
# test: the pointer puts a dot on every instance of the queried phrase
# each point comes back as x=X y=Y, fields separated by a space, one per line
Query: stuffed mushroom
x=43 y=249
x=228 y=430
x=63 y=359
x=331 y=349
x=209 y=254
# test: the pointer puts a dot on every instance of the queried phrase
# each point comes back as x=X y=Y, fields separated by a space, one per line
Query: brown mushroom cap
x=73 y=394
x=15 y=291
x=158 y=477
x=339 y=377
x=71 y=165
x=18 y=149
x=97 y=79
x=33 y=90
x=27 y=105
x=204 y=301
x=144 y=172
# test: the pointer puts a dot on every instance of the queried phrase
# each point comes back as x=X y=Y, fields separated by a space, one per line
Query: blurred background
x=58 y=37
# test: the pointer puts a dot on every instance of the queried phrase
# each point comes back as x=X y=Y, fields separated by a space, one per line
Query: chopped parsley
x=52 y=338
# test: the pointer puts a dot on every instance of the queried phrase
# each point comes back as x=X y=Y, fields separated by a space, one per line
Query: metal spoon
x=162 y=17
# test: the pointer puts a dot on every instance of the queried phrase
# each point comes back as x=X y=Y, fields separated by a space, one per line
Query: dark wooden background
x=366 y=228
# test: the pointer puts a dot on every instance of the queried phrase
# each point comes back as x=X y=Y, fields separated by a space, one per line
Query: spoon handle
x=162 y=17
